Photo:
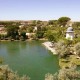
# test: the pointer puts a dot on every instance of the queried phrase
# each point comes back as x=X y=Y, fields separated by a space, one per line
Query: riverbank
x=50 y=47
x=42 y=39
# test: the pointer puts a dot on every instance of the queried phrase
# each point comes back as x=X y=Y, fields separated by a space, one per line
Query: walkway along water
x=50 y=47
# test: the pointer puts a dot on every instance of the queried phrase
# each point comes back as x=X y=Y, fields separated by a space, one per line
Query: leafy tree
x=30 y=29
x=50 y=35
x=77 y=49
x=62 y=49
x=39 y=34
x=68 y=42
x=50 y=22
x=23 y=35
x=63 y=21
x=76 y=24
x=34 y=22
x=38 y=22
x=7 y=74
x=12 y=31
x=64 y=74
x=53 y=22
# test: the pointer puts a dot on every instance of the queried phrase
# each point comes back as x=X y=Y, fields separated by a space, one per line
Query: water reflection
x=13 y=48
x=22 y=45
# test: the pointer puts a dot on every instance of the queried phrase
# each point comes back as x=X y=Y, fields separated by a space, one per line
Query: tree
x=39 y=34
x=23 y=35
x=77 y=49
x=62 y=49
x=53 y=22
x=30 y=29
x=76 y=24
x=63 y=21
x=40 y=31
x=50 y=35
x=7 y=74
x=12 y=30
x=64 y=74
x=68 y=42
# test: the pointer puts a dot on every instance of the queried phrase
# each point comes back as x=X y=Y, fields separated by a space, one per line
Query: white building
x=21 y=26
x=35 y=29
x=3 y=30
x=70 y=33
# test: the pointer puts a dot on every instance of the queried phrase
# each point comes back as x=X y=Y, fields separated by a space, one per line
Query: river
x=29 y=58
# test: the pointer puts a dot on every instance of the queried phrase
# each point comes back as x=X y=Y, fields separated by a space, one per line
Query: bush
x=64 y=74
x=7 y=74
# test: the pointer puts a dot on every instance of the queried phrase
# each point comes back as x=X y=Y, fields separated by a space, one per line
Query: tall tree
x=62 y=49
x=63 y=21
x=12 y=30
x=77 y=49
x=64 y=74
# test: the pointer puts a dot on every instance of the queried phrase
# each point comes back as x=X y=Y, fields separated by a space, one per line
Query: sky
x=39 y=9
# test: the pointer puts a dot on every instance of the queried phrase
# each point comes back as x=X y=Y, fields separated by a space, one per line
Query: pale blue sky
x=39 y=9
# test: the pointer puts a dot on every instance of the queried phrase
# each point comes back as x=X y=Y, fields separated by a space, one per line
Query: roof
x=1 y=25
x=69 y=29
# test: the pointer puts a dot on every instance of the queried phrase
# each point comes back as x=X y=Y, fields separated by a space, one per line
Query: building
x=30 y=35
x=2 y=30
x=35 y=29
x=21 y=26
x=70 y=33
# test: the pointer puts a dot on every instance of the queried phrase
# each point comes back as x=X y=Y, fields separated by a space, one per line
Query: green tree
x=53 y=22
x=64 y=74
x=23 y=35
x=77 y=48
x=39 y=34
x=62 y=49
x=30 y=29
x=63 y=21
x=50 y=35
x=7 y=74
x=12 y=31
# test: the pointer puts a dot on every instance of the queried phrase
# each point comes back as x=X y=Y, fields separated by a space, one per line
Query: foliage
x=12 y=31
x=43 y=29
x=63 y=21
x=7 y=74
x=52 y=22
x=68 y=42
x=23 y=35
x=62 y=49
x=30 y=29
x=39 y=34
x=64 y=74
x=76 y=24
x=50 y=35
x=77 y=48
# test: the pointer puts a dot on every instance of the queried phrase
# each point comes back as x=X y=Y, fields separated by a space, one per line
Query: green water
x=30 y=58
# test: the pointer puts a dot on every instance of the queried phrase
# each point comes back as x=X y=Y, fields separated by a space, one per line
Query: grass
x=71 y=60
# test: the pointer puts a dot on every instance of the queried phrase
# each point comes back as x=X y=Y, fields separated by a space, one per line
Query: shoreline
x=47 y=44
x=43 y=39
x=50 y=47
x=22 y=40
